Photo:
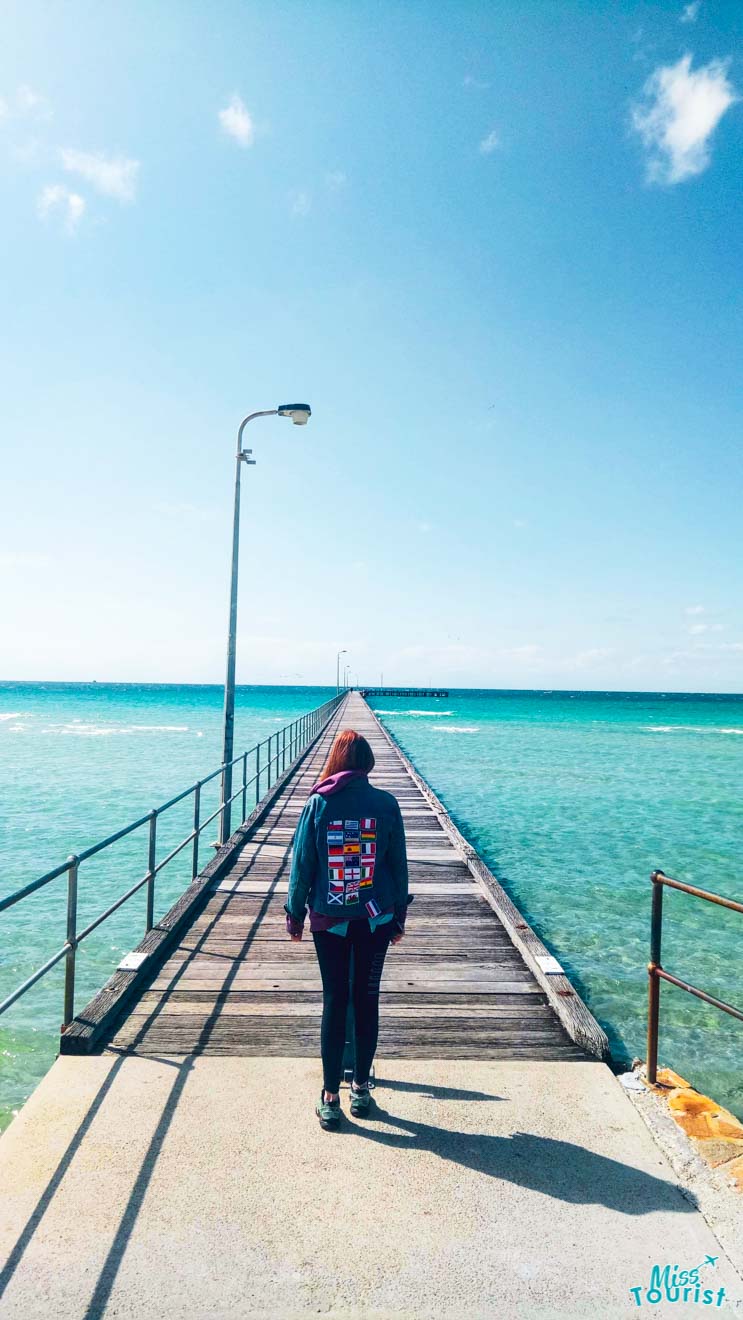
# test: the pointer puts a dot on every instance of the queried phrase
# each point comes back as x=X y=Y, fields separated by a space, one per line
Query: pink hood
x=334 y=783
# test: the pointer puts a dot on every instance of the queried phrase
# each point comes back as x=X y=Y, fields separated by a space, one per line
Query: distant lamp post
x=299 y=414
x=338 y=670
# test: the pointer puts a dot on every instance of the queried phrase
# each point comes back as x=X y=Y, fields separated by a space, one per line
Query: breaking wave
x=109 y=730
x=455 y=728
x=427 y=713
x=688 y=728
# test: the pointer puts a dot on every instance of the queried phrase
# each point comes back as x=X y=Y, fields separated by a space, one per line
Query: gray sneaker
x=329 y=1112
x=361 y=1101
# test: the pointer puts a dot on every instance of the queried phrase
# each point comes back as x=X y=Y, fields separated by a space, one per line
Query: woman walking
x=350 y=867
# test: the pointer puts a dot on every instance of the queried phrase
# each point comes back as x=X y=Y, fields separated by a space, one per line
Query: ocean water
x=572 y=799
x=77 y=762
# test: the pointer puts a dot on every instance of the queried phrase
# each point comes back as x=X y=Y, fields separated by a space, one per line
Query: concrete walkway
x=204 y=1187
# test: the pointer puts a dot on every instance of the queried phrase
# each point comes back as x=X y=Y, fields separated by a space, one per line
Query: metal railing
x=658 y=973
x=281 y=749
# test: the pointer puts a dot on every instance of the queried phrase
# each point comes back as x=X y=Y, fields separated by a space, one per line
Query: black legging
x=334 y=956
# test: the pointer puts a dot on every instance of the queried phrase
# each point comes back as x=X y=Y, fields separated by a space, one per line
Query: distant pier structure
x=403 y=692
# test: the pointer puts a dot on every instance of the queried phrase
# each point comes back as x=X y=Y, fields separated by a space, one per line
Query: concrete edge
x=706 y=1187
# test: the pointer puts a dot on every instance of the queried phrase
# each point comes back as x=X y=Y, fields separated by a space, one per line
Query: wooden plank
x=510 y=985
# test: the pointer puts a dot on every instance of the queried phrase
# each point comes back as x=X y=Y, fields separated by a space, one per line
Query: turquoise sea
x=572 y=798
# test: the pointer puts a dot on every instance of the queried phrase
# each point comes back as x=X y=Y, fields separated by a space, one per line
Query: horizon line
x=542 y=690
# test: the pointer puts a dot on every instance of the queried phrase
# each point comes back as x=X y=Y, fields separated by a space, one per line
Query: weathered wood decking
x=456 y=987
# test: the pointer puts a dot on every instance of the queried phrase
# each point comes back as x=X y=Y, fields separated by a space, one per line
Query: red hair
x=349 y=752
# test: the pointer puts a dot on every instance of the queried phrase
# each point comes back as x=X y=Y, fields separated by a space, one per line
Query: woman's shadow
x=556 y=1168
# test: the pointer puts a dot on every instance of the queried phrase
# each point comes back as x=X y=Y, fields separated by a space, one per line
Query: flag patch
x=373 y=908
x=351 y=848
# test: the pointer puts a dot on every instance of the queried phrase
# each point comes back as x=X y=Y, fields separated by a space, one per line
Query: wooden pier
x=171 y=1163
x=404 y=692
x=466 y=982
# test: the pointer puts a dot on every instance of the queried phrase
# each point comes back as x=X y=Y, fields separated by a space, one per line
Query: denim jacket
x=349 y=855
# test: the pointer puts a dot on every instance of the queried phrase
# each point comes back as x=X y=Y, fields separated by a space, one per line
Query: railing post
x=196 y=828
x=257 y=774
x=150 y=917
x=283 y=750
x=268 y=763
x=71 y=941
x=245 y=785
x=656 y=929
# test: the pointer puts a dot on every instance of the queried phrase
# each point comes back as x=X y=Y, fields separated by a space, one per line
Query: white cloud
x=301 y=202
x=470 y=81
x=489 y=143
x=26 y=104
x=237 y=122
x=695 y=609
x=70 y=205
x=681 y=110
x=29 y=102
x=697 y=628
x=114 y=176
x=689 y=12
x=335 y=179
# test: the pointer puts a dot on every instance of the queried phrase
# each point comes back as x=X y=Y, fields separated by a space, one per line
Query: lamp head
x=299 y=412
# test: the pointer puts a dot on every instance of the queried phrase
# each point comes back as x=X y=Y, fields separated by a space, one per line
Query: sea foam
x=688 y=728
x=455 y=728
x=109 y=730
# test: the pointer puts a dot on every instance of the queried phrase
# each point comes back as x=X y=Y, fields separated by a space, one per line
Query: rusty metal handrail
x=657 y=973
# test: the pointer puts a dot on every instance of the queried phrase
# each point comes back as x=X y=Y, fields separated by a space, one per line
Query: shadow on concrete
x=182 y=1068
x=558 y=1169
x=437 y=1092
x=34 y=1220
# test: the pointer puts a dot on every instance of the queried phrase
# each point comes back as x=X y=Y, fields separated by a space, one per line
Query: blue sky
x=496 y=246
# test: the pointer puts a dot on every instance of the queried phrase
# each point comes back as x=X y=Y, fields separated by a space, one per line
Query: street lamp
x=338 y=670
x=299 y=414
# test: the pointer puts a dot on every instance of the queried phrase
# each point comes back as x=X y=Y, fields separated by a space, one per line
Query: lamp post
x=338 y=670
x=299 y=413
